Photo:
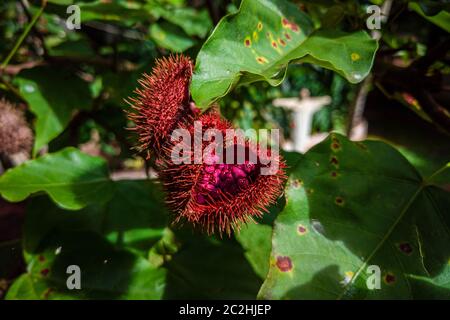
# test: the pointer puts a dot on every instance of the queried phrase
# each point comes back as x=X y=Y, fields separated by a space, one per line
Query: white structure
x=304 y=109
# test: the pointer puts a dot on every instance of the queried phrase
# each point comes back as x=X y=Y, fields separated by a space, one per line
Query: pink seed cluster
x=218 y=179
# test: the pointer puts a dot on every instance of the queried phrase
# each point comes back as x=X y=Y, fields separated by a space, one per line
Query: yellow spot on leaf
x=261 y=60
x=355 y=56
x=348 y=276
x=255 y=36
x=259 y=26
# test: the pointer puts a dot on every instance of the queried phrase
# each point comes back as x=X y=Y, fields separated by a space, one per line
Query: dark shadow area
x=319 y=287
x=133 y=208
x=58 y=239
x=421 y=142
x=210 y=268
x=105 y=270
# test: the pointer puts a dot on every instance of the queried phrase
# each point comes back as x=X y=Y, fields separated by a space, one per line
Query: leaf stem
x=24 y=34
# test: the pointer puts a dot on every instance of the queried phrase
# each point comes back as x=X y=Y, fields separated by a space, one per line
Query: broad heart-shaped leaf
x=105 y=271
x=354 y=209
x=71 y=178
x=255 y=240
x=136 y=211
x=259 y=41
x=53 y=96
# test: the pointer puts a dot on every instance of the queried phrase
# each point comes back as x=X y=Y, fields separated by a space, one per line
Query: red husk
x=162 y=102
x=214 y=204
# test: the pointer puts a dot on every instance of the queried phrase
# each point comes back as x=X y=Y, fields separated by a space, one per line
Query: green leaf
x=106 y=272
x=259 y=41
x=432 y=7
x=53 y=96
x=168 y=36
x=438 y=17
x=71 y=178
x=137 y=213
x=55 y=238
x=353 y=205
x=441 y=178
x=72 y=48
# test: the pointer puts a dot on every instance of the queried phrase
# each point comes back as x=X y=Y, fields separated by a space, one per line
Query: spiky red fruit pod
x=215 y=196
x=162 y=102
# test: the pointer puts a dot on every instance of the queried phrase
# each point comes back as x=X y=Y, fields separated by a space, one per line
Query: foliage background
x=85 y=197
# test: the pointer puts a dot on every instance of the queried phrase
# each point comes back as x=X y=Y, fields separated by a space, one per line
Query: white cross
x=304 y=109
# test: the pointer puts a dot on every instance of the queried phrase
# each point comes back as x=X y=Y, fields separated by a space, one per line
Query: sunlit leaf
x=210 y=269
x=71 y=178
x=259 y=41
x=53 y=95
